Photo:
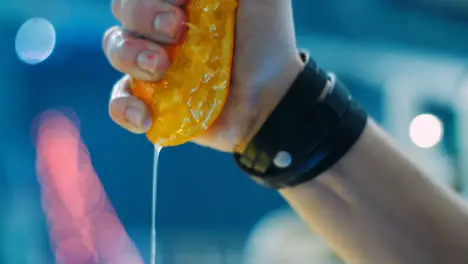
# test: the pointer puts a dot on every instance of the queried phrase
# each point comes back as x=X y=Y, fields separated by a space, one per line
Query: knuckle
x=121 y=88
x=108 y=35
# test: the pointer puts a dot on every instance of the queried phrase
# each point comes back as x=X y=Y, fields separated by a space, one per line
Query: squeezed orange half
x=193 y=91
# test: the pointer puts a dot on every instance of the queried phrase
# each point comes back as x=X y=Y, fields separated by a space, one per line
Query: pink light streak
x=83 y=225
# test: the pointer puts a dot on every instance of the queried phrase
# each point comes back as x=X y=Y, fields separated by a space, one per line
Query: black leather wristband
x=282 y=122
x=305 y=135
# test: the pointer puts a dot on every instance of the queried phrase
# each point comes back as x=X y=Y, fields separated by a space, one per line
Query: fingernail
x=148 y=61
x=137 y=118
x=166 y=23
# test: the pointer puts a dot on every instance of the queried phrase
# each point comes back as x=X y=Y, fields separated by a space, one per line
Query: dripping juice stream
x=157 y=151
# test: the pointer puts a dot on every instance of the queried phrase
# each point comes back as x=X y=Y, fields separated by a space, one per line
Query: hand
x=265 y=64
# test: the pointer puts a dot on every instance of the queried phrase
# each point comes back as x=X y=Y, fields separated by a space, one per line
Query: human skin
x=373 y=206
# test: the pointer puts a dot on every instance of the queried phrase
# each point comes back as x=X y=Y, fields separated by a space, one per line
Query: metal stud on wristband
x=312 y=127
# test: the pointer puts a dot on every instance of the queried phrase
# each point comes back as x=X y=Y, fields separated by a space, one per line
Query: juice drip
x=157 y=151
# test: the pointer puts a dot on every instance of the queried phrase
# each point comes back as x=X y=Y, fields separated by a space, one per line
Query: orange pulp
x=193 y=91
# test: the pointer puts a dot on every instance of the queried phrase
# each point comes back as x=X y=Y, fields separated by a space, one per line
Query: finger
x=139 y=58
x=127 y=110
x=157 y=20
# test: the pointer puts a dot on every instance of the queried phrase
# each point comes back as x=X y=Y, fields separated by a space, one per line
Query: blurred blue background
x=400 y=58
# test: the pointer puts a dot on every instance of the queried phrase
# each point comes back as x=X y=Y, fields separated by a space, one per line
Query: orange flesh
x=194 y=89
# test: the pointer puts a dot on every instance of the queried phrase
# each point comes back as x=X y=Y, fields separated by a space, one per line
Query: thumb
x=127 y=110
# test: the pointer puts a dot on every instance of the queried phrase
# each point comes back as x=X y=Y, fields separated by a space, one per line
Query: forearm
x=375 y=206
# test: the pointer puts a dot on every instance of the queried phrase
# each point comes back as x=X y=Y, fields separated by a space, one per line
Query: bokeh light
x=463 y=92
x=426 y=131
x=35 y=40
x=82 y=223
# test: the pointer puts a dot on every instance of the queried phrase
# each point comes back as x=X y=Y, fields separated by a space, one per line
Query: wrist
x=268 y=99
x=313 y=126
